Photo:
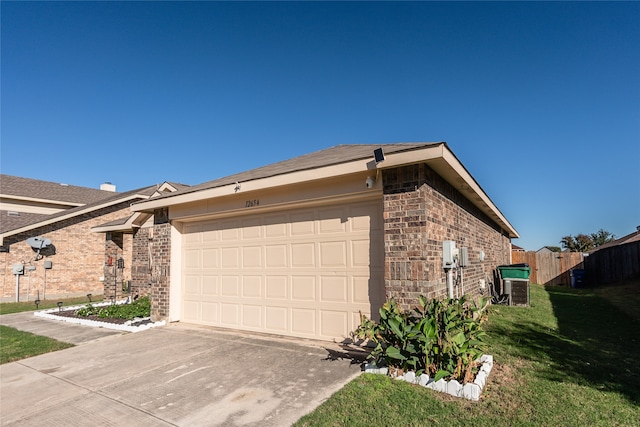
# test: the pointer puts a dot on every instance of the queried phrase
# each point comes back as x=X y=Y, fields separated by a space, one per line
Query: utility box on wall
x=18 y=269
x=449 y=253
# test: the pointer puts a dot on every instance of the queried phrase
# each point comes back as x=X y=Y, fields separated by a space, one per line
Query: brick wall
x=78 y=257
x=141 y=263
x=160 y=265
x=421 y=210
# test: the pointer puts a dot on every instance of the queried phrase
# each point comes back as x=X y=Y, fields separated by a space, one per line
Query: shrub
x=138 y=308
x=442 y=338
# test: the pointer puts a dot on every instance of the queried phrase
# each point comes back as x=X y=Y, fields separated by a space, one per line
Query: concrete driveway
x=177 y=375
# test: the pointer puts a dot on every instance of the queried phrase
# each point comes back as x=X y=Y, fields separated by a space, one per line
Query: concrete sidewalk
x=177 y=375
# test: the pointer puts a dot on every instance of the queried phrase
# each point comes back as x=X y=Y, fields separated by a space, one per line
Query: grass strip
x=17 y=345
x=18 y=307
x=568 y=360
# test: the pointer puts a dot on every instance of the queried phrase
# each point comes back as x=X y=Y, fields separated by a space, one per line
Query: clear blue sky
x=540 y=101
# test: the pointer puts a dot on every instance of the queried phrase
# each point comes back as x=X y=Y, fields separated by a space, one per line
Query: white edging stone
x=470 y=391
x=126 y=327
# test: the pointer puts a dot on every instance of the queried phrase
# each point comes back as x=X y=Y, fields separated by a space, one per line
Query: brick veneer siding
x=160 y=265
x=421 y=210
x=78 y=257
x=141 y=266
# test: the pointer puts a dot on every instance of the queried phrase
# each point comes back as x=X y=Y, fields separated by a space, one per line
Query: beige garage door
x=304 y=273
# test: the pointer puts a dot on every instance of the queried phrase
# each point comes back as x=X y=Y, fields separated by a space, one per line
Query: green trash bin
x=515 y=271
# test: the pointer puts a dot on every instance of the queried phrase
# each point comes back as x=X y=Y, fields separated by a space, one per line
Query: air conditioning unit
x=517 y=290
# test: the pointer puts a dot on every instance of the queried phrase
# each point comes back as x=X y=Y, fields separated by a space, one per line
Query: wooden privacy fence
x=549 y=268
x=613 y=264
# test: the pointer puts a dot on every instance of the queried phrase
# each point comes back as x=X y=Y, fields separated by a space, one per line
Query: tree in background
x=586 y=242
x=602 y=237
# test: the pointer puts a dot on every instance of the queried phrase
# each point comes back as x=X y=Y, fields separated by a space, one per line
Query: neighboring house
x=516 y=248
x=629 y=238
x=544 y=250
x=302 y=247
x=64 y=215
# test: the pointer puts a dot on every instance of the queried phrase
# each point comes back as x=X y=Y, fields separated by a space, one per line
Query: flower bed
x=470 y=391
x=69 y=315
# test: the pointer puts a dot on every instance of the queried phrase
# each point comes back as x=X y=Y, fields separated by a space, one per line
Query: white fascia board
x=67 y=216
x=45 y=201
x=253 y=185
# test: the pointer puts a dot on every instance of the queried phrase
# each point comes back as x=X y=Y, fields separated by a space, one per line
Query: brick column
x=408 y=271
x=113 y=251
x=160 y=265
x=141 y=262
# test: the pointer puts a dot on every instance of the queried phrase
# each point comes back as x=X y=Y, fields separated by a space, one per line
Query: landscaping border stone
x=470 y=391
x=135 y=325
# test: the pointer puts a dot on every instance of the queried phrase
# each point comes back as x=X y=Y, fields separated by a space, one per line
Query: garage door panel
x=230 y=286
x=252 y=316
x=192 y=285
x=334 y=323
x=333 y=254
x=252 y=257
x=210 y=313
x=192 y=258
x=332 y=220
x=277 y=319
x=192 y=311
x=304 y=273
x=276 y=256
x=303 y=255
x=360 y=289
x=333 y=289
x=252 y=286
x=210 y=286
x=251 y=229
x=230 y=231
x=276 y=287
x=303 y=288
x=230 y=314
x=210 y=258
x=230 y=257
x=303 y=223
x=275 y=226
x=303 y=321
x=360 y=251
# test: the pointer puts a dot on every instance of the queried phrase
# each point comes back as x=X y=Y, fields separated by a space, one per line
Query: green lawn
x=17 y=307
x=568 y=360
x=16 y=345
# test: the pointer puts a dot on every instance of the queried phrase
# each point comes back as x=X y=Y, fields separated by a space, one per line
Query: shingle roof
x=10 y=220
x=45 y=190
x=35 y=220
x=331 y=156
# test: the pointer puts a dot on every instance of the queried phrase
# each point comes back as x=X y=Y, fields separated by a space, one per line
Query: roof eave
x=437 y=156
x=67 y=216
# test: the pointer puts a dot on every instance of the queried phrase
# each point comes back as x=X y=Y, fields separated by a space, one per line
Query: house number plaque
x=251 y=203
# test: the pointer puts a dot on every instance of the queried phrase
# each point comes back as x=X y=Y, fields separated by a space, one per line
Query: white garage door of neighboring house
x=304 y=273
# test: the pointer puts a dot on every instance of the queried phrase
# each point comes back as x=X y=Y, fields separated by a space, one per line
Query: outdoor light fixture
x=60 y=305
x=378 y=155
x=89 y=296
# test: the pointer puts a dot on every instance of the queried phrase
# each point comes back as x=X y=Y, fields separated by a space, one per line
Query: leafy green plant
x=443 y=338
x=138 y=308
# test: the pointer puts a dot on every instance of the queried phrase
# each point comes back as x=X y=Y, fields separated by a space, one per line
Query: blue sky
x=540 y=101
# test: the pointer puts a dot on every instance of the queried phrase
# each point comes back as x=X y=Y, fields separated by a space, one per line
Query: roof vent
x=107 y=186
x=13 y=213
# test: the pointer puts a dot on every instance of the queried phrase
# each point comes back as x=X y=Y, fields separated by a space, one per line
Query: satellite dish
x=37 y=244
